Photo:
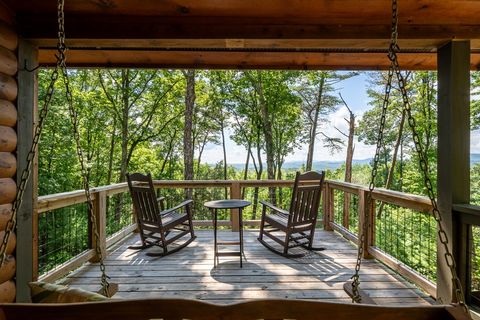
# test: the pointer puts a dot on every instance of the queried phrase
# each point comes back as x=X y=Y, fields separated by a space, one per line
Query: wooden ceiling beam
x=243 y=60
x=267 y=44
x=439 y=12
x=133 y=27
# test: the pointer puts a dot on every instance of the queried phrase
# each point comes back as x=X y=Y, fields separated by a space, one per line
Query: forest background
x=162 y=121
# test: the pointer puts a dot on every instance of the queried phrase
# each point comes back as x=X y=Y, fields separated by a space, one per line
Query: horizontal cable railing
x=65 y=238
x=402 y=230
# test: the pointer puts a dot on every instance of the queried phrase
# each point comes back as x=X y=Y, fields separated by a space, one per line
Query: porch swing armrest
x=181 y=205
x=274 y=208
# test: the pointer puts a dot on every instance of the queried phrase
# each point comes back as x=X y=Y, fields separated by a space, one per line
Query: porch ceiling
x=310 y=34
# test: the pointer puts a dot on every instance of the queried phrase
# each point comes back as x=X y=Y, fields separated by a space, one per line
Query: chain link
x=376 y=159
x=76 y=135
x=423 y=161
x=27 y=171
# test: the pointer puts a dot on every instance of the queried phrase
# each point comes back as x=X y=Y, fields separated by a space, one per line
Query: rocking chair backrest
x=306 y=196
x=144 y=199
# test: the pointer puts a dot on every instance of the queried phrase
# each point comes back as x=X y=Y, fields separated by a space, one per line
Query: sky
x=354 y=91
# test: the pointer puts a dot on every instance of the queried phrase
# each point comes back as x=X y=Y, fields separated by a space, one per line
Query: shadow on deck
x=190 y=274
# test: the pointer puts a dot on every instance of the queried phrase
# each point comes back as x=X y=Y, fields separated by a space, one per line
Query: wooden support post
x=100 y=210
x=27 y=223
x=365 y=210
x=453 y=149
x=235 y=193
x=329 y=206
x=325 y=206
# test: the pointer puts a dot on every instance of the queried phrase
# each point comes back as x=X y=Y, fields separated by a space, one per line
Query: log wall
x=8 y=145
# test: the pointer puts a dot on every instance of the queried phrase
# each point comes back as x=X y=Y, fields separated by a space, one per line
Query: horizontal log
x=8 y=113
x=12 y=241
x=8 y=139
x=7 y=270
x=8 y=190
x=7 y=291
x=8 y=87
x=8 y=61
x=5 y=214
x=8 y=165
x=8 y=37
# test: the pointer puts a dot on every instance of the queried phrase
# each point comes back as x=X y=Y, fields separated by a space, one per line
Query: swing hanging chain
x=76 y=135
x=27 y=171
x=380 y=141
x=423 y=161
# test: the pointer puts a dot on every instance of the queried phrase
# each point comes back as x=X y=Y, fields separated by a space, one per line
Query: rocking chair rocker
x=156 y=224
x=297 y=224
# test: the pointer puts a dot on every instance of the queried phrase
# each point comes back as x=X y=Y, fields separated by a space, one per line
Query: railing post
x=235 y=193
x=328 y=207
x=366 y=210
x=100 y=211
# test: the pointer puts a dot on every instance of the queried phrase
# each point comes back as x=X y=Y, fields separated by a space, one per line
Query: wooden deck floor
x=190 y=274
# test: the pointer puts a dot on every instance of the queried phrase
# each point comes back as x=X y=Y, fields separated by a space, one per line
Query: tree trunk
x=391 y=172
x=313 y=129
x=267 y=131
x=169 y=152
x=247 y=162
x=350 y=148
x=225 y=177
x=187 y=132
x=348 y=165
x=259 y=177
x=124 y=139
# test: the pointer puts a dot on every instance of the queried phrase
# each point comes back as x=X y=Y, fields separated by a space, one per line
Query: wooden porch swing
x=255 y=309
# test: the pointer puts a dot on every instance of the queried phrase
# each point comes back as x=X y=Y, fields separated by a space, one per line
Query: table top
x=227 y=204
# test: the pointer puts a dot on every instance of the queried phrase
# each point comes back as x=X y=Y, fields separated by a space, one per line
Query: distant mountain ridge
x=316 y=165
x=333 y=165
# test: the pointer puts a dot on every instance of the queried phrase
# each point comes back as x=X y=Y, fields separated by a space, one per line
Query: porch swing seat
x=194 y=309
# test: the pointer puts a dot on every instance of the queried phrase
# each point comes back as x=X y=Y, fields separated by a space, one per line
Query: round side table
x=227 y=204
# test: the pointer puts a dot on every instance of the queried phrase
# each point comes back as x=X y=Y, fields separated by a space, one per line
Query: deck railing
x=408 y=247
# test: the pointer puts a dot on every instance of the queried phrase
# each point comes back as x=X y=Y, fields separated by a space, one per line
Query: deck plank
x=190 y=274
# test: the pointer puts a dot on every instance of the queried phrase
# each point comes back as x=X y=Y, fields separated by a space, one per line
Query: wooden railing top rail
x=467 y=208
x=64 y=199
x=402 y=199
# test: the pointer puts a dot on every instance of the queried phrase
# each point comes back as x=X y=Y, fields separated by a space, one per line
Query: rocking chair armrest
x=183 y=204
x=160 y=201
x=272 y=207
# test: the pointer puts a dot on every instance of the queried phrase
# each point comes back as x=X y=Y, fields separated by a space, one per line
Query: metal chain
x=356 y=277
x=442 y=235
x=76 y=135
x=380 y=140
x=27 y=171
x=423 y=161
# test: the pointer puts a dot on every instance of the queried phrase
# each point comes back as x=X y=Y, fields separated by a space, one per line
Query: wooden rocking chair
x=297 y=224
x=156 y=224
